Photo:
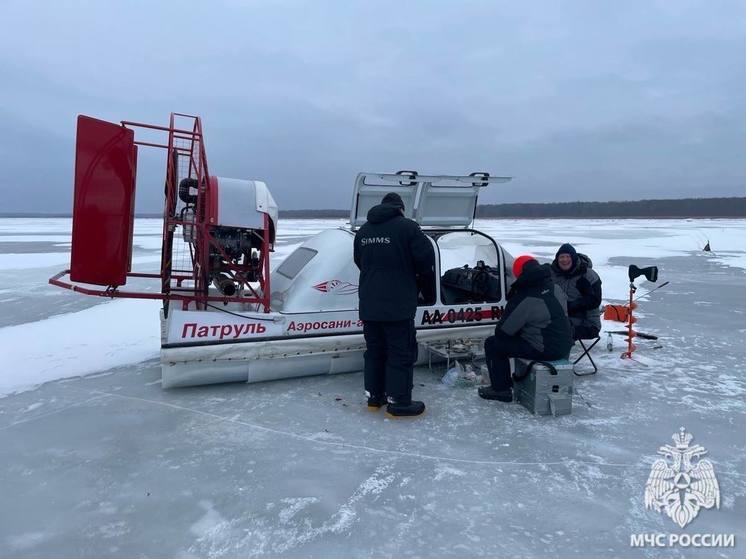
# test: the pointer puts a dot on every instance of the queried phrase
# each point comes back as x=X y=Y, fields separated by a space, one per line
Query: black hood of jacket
x=583 y=265
x=382 y=213
x=533 y=275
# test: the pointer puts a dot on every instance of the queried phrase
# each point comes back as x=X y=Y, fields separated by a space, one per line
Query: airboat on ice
x=226 y=317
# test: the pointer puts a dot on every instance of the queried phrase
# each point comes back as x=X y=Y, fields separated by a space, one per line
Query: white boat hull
x=314 y=326
x=273 y=359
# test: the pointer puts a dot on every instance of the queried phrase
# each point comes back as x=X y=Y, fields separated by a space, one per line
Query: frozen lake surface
x=98 y=460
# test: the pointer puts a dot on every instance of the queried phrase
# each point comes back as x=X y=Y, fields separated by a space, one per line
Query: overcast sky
x=579 y=100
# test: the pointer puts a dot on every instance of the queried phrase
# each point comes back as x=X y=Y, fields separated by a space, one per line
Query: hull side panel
x=259 y=361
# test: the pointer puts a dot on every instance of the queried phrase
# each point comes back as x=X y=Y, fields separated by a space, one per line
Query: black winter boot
x=376 y=402
x=489 y=393
x=404 y=408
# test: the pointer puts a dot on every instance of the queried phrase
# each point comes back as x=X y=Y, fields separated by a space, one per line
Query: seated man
x=574 y=274
x=534 y=326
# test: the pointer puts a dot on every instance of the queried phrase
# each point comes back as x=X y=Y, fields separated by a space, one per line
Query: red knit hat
x=519 y=262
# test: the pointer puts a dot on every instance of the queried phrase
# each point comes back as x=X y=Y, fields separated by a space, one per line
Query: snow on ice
x=109 y=463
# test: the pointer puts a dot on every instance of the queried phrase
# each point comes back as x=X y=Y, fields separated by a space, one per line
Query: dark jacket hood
x=382 y=213
x=533 y=275
x=567 y=248
x=584 y=264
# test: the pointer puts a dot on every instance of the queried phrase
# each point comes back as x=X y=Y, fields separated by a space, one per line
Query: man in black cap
x=573 y=273
x=396 y=260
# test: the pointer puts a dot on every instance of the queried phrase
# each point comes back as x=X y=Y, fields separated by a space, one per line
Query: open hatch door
x=430 y=200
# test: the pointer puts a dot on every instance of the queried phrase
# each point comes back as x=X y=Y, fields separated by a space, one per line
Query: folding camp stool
x=586 y=353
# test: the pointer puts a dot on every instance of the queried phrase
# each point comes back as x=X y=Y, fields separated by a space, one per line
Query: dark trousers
x=389 y=358
x=499 y=349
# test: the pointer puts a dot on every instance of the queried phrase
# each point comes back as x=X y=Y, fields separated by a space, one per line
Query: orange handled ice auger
x=630 y=321
x=651 y=274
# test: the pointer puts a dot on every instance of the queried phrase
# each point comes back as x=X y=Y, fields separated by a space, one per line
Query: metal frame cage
x=192 y=255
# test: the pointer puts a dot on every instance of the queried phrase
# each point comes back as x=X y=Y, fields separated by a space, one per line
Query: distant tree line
x=684 y=207
x=314 y=214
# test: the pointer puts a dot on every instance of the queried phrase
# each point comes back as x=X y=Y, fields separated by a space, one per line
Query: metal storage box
x=544 y=390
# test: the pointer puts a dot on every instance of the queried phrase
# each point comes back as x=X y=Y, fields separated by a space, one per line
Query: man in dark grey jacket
x=574 y=274
x=396 y=261
x=534 y=325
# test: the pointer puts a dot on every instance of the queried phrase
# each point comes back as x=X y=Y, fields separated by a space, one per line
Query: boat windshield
x=297 y=260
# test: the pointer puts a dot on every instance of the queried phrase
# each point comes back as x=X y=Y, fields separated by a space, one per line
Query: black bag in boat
x=479 y=284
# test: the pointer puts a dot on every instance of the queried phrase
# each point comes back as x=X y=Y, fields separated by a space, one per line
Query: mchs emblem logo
x=682 y=482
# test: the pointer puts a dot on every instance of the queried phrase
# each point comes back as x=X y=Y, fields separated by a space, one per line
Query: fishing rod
x=664 y=284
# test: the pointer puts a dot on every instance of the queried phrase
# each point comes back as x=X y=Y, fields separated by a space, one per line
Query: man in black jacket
x=394 y=256
x=534 y=325
x=573 y=273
